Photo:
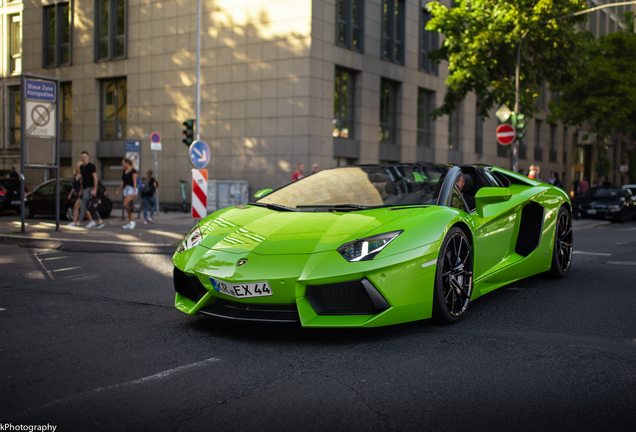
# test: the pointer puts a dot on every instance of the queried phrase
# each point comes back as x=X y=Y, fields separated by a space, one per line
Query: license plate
x=591 y=211
x=15 y=202
x=242 y=290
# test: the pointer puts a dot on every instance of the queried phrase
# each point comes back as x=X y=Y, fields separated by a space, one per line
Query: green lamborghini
x=373 y=245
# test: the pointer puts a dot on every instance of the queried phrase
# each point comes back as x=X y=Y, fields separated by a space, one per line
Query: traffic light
x=188 y=132
x=519 y=123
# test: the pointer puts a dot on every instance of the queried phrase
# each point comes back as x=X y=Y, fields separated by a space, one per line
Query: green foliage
x=604 y=91
x=480 y=44
x=603 y=165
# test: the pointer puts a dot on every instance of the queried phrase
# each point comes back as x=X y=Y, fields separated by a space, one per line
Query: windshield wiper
x=337 y=206
x=272 y=206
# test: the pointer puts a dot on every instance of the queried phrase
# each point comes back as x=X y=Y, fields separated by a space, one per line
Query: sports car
x=373 y=245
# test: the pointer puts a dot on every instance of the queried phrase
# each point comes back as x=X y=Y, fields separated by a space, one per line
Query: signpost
x=39 y=122
x=155 y=145
x=505 y=134
x=199 y=193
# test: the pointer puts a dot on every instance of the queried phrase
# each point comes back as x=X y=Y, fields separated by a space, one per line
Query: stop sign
x=505 y=134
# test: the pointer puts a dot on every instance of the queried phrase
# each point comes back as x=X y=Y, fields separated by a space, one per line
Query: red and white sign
x=199 y=193
x=505 y=134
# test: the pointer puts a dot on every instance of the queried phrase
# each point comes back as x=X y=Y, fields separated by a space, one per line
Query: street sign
x=39 y=90
x=503 y=113
x=199 y=154
x=40 y=119
x=155 y=141
x=505 y=134
x=199 y=193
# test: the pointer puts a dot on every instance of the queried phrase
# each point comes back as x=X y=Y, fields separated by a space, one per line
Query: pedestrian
x=13 y=173
x=584 y=185
x=129 y=187
x=554 y=179
x=537 y=172
x=148 y=187
x=76 y=189
x=531 y=172
x=88 y=190
x=299 y=173
x=315 y=168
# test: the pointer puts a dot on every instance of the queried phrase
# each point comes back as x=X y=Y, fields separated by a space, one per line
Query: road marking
x=122 y=386
x=627 y=263
x=66 y=269
x=591 y=253
x=2 y=309
x=56 y=257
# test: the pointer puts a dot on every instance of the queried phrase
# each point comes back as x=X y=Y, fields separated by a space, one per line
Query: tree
x=602 y=97
x=480 y=44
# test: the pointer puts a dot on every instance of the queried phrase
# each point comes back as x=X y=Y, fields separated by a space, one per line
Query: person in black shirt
x=129 y=186
x=148 y=186
x=89 y=190
x=13 y=173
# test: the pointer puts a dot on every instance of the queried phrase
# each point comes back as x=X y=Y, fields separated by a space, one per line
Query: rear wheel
x=68 y=212
x=453 y=278
x=562 y=252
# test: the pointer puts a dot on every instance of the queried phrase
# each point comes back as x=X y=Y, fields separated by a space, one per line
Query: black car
x=605 y=202
x=41 y=201
x=10 y=194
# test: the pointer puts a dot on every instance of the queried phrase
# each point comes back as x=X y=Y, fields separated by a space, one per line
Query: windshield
x=605 y=192
x=362 y=186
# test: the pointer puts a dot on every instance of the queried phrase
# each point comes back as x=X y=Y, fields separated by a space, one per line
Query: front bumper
x=316 y=290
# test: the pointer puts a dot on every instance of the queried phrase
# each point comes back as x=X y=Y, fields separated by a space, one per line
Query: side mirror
x=490 y=195
x=261 y=193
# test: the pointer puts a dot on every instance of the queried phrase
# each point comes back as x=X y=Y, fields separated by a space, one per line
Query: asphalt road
x=92 y=342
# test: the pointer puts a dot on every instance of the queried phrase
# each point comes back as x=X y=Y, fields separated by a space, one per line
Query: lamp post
x=514 y=157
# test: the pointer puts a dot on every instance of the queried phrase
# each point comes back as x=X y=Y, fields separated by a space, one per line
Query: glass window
x=388 y=118
x=602 y=25
x=66 y=112
x=393 y=25
x=350 y=17
x=425 y=104
x=15 y=116
x=57 y=35
x=565 y=144
x=114 y=109
x=479 y=131
x=454 y=129
x=110 y=29
x=429 y=41
x=15 y=44
x=553 y=143
x=343 y=104
x=111 y=168
x=538 y=150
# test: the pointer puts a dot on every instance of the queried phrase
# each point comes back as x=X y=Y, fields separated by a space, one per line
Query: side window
x=457 y=201
x=47 y=189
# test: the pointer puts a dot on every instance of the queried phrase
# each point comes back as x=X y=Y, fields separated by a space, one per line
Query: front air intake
x=188 y=286
x=346 y=298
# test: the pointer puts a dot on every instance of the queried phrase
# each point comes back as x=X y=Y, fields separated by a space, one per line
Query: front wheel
x=453 y=278
x=68 y=212
x=562 y=251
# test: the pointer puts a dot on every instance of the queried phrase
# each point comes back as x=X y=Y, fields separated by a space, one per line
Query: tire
x=68 y=213
x=28 y=212
x=453 y=278
x=562 y=250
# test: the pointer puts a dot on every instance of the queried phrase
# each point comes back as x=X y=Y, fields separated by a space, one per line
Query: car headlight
x=191 y=240
x=367 y=248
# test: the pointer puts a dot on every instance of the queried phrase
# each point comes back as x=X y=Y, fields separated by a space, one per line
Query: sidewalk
x=161 y=237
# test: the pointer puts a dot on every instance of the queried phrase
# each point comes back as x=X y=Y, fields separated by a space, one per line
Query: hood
x=269 y=232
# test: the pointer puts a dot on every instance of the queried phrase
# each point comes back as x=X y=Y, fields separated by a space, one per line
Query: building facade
x=332 y=82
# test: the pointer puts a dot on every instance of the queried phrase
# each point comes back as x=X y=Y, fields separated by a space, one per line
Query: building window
x=522 y=149
x=429 y=41
x=114 y=108
x=343 y=100
x=340 y=162
x=350 y=29
x=479 y=131
x=538 y=150
x=57 y=35
x=425 y=104
x=388 y=106
x=15 y=44
x=393 y=24
x=543 y=95
x=593 y=23
x=66 y=112
x=454 y=129
x=15 y=115
x=553 y=143
x=110 y=29
x=602 y=25
x=565 y=145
